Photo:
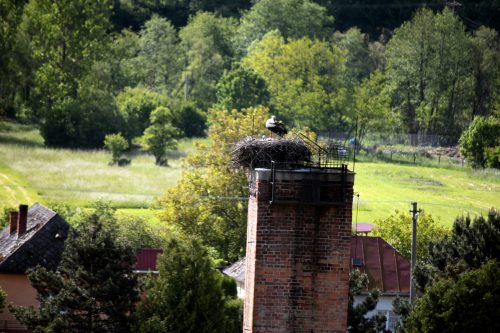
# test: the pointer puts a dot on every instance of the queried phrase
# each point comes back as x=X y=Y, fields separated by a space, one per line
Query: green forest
x=83 y=69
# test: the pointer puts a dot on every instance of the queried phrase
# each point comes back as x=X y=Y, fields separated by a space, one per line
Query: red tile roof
x=387 y=269
x=146 y=259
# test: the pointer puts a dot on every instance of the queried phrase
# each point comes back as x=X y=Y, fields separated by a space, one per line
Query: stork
x=276 y=126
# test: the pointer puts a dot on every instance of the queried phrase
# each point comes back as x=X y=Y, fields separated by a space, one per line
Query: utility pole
x=415 y=212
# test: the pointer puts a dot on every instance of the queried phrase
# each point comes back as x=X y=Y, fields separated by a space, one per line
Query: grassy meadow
x=29 y=172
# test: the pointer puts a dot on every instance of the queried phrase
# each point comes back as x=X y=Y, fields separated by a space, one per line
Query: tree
x=292 y=18
x=429 y=66
x=187 y=294
x=116 y=143
x=241 y=88
x=396 y=230
x=206 y=202
x=481 y=135
x=471 y=244
x=206 y=40
x=160 y=59
x=189 y=119
x=469 y=303
x=372 y=111
x=160 y=135
x=358 y=63
x=93 y=289
x=14 y=59
x=135 y=106
x=305 y=78
x=486 y=56
x=65 y=38
x=357 y=322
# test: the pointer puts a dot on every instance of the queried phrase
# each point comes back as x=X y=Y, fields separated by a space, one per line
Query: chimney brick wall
x=22 y=221
x=13 y=221
x=297 y=271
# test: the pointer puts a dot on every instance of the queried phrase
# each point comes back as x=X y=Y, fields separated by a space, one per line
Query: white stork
x=276 y=126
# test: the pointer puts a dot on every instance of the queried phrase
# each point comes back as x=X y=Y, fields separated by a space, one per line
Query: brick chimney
x=13 y=221
x=22 y=220
x=298 y=250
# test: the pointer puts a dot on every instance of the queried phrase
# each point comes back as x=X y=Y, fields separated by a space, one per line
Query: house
x=34 y=236
x=146 y=260
x=386 y=268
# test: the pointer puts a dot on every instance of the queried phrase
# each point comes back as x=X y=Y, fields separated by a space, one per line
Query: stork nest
x=255 y=153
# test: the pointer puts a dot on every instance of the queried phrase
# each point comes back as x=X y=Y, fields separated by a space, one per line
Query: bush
x=116 y=143
x=492 y=157
x=81 y=122
x=190 y=119
x=483 y=133
x=135 y=106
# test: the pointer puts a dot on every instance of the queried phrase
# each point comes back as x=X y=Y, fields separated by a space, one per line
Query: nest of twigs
x=257 y=153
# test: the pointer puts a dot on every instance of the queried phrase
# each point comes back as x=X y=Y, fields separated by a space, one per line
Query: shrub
x=135 y=106
x=483 y=133
x=161 y=135
x=492 y=157
x=116 y=143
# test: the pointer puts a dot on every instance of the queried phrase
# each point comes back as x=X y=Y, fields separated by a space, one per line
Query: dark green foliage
x=492 y=157
x=292 y=18
x=470 y=245
x=402 y=308
x=81 y=122
x=482 y=133
x=187 y=295
x=135 y=106
x=356 y=320
x=160 y=135
x=241 y=87
x=189 y=119
x=470 y=303
x=93 y=288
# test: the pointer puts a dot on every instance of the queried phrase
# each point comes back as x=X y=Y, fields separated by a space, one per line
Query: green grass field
x=29 y=172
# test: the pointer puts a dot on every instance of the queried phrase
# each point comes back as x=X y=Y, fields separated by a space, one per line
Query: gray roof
x=41 y=244
x=237 y=270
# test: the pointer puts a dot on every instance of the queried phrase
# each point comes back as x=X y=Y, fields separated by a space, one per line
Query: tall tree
x=241 y=88
x=486 y=57
x=292 y=18
x=92 y=290
x=305 y=78
x=14 y=59
x=206 y=202
x=186 y=295
x=66 y=38
x=160 y=60
x=207 y=43
x=429 y=64
x=372 y=107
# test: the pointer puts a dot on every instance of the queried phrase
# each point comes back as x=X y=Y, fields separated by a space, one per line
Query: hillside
x=29 y=173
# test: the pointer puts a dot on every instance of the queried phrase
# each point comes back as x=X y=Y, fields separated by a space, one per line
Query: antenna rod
x=355 y=145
